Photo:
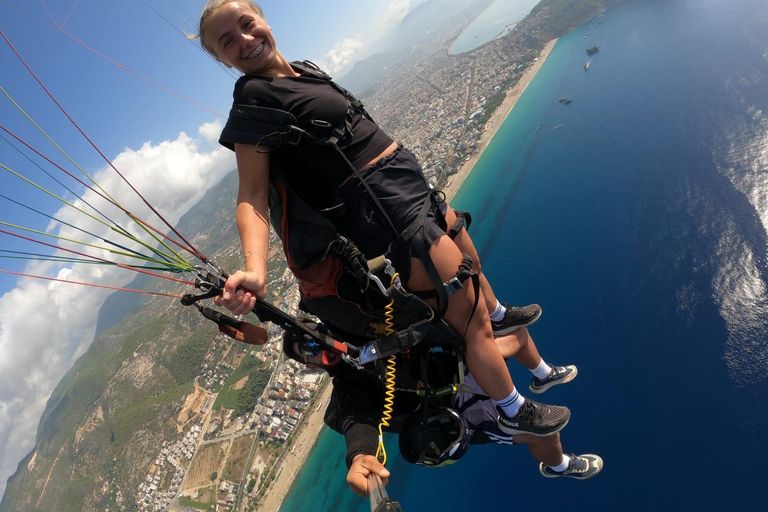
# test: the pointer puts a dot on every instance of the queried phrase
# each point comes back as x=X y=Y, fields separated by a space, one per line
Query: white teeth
x=257 y=51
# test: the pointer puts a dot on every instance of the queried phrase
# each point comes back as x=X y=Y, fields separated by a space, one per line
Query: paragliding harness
x=324 y=261
x=338 y=283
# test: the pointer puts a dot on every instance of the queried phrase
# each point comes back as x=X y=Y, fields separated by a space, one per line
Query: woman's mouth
x=255 y=53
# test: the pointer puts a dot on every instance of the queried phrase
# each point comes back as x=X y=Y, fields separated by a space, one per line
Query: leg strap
x=453 y=285
x=463 y=221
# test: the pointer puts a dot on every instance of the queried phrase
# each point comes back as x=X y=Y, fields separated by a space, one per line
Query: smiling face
x=241 y=38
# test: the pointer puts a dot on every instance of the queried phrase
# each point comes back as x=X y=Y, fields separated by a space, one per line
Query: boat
x=566 y=100
x=593 y=50
x=586 y=66
x=558 y=126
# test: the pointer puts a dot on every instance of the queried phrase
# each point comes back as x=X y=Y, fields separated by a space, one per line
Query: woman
x=236 y=33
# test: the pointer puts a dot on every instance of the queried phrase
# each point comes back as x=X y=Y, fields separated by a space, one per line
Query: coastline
x=293 y=462
x=496 y=120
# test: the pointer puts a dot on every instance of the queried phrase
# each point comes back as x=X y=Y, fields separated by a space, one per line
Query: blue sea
x=495 y=21
x=640 y=227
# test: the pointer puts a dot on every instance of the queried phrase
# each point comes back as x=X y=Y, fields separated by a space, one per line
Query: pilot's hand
x=362 y=466
x=241 y=290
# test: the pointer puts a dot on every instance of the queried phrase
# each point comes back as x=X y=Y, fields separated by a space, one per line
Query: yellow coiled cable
x=389 y=383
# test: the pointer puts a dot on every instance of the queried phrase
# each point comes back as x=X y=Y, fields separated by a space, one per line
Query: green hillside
x=119 y=401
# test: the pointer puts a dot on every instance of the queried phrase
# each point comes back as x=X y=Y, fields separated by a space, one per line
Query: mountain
x=417 y=27
x=115 y=408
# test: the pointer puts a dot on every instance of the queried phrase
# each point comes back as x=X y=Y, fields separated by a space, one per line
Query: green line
x=173 y=257
x=87 y=262
x=112 y=251
x=178 y=257
x=29 y=118
x=43 y=189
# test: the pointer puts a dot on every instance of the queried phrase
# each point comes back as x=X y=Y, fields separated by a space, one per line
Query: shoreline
x=294 y=461
x=496 y=120
x=273 y=499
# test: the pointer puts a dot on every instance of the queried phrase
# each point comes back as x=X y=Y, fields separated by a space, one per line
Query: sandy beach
x=496 y=120
x=293 y=462
x=308 y=435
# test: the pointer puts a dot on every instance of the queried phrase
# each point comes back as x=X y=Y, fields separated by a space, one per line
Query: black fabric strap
x=421 y=247
x=249 y=124
x=463 y=221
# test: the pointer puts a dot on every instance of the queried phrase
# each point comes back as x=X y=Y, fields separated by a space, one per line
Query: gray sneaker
x=515 y=318
x=580 y=467
x=558 y=375
x=534 y=418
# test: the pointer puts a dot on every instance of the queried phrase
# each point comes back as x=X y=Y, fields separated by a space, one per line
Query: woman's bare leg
x=519 y=345
x=483 y=357
x=544 y=449
x=465 y=245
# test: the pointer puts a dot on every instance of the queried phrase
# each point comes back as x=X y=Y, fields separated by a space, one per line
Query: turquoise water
x=493 y=22
x=640 y=227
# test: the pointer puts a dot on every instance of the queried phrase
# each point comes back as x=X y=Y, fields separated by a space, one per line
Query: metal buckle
x=453 y=285
x=294 y=135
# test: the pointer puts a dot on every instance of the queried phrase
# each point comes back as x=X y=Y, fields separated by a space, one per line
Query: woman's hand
x=241 y=290
x=362 y=466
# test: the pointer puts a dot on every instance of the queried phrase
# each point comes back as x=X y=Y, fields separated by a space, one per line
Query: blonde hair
x=208 y=10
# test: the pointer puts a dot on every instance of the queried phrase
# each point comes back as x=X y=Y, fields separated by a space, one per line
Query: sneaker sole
x=565 y=380
x=547 y=434
x=510 y=330
x=599 y=461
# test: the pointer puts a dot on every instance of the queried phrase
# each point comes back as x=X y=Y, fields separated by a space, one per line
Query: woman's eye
x=227 y=43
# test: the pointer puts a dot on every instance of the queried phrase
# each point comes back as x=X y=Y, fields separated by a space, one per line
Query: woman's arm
x=242 y=288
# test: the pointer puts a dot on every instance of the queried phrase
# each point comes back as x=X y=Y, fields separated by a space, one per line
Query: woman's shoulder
x=256 y=90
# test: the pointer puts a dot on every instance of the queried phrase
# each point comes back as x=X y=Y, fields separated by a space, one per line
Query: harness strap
x=454 y=284
x=463 y=221
x=415 y=309
x=425 y=410
x=310 y=68
x=367 y=187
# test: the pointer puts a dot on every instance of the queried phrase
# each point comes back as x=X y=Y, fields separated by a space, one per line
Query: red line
x=108 y=199
x=111 y=201
x=197 y=253
x=23 y=13
x=140 y=271
x=49 y=14
x=70 y=13
x=91 y=284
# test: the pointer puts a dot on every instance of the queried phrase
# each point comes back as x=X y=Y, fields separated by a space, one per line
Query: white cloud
x=397 y=10
x=341 y=55
x=351 y=49
x=45 y=326
x=211 y=131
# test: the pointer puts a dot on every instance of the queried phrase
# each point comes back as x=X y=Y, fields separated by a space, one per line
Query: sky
x=153 y=103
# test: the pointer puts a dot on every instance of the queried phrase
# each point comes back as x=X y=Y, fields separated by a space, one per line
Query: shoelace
x=577 y=465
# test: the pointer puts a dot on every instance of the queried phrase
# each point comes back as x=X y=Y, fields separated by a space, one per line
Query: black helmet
x=442 y=441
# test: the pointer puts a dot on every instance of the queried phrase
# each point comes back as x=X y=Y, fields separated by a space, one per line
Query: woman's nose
x=245 y=39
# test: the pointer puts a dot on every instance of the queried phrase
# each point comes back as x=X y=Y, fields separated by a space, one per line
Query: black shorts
x=400 y=186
